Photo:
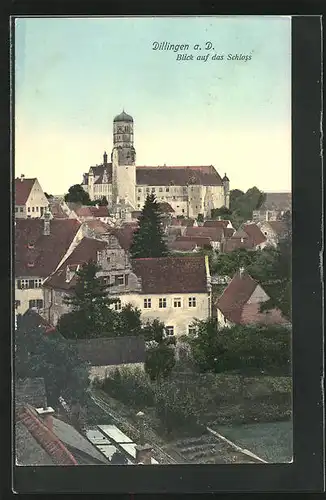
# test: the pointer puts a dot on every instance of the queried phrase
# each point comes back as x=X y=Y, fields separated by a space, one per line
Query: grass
x=271 y=441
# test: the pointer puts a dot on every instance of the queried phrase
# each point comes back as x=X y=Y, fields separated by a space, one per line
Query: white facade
x=28 y=293
x=35 y=204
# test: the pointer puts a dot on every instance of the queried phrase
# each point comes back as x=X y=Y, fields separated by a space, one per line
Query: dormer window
x=30 y=244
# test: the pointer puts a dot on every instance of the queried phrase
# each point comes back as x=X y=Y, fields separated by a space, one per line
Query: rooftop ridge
x=45 y=437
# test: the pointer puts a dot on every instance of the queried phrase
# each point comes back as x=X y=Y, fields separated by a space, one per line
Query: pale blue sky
x=73 y=75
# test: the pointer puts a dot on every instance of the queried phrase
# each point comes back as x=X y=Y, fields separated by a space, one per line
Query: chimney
x=22 y=177
x=46 y=225
x=46 y=415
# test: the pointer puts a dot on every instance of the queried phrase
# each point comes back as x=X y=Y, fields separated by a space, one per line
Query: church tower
x=123 y=159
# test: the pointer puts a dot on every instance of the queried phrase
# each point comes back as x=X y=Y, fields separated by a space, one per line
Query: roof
x=30 y=391
x=254 y=233
x=183 y=246
x=182 y=222
x=96 y=225
x=228 y=232
x=124 y=234
x=171 y=274
x=233 y=303
x=178 y=176
x=23 y=188
x=235 y=295
x=76 y=441
x=216 y=223
x=279 y=227
x=165 y=207
x=214 y=233
x=200 y=241
x=100 y=173
x=58 y=453
x=27 y=450
x=123 y=117
x=234 y=243
x=57 y=210
x=92 y=211
x=277 y=201
x=85 y=251
x=110 y=351
x=48 y=250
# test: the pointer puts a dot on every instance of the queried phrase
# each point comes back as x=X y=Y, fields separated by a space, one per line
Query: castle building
x=190 y=190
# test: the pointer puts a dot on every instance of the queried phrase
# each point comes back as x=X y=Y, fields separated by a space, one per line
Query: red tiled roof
x=44 y=436
x=124 y=234
x=101 y=211
x=235 y=296
x=200 y=241
x=98 y=171
x=214 y=233
x=254 y=233
x=233 y=303
x=83 y=253
x=43 y=258
x=183 y=245
x=178 y=176
x=182 y=222
x=216 y=223
x=171 y=274
x=97 y=226
x=228 y=232
x=22 y=190
x=57 y=211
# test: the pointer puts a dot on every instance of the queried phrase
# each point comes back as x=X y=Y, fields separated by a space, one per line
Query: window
x=147 y=190
x=31 y=284
x=21 y=209
x=28 y=209
x=126 y=279
x=177 y=302
x=160 y=190
x=117 y=305
x=153 y=190
x=21 y=284
x=192 y=329
x=119 y=280
x=139 y=190
x=169 y=330
x=33 y=209
x=162 y=303
x=138 y=198
x=36 y=303
x=167 y=189
x=192 y=301
x=183 y=210
x=147 y=303
x=36 y=208
x=16 y=209
x=138 y=206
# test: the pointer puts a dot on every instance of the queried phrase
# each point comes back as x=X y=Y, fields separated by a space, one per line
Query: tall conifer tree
x=148 y=240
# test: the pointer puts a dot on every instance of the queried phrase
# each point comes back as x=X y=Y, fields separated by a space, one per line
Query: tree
x=148 y=240
x=128 y=322
x=154 y=331
x=76 y=194
x=52 y=358
x=200 y=218
x=90 y=315
x=223 y=212
x=159 y=361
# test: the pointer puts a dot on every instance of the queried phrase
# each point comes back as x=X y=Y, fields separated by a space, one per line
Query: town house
x=30 y=201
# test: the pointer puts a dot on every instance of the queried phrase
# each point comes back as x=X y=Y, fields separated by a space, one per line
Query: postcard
x=153 y=240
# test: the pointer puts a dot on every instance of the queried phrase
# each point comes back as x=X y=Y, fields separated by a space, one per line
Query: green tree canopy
x=52 y=358
x=76 y=194
x=159 y=361
x=148 y=240
x=90 y=301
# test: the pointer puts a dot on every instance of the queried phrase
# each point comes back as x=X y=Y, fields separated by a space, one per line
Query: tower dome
x=123 y=117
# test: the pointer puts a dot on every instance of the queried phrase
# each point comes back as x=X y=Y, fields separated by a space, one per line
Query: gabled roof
x=85 y=251
x=182 y=222
x=235 y=296
x=200 y=241
x=183 y=245
x=124 y=234
x=165 y=207
x=91 y=211
x=233 y=303
x=23 y=188
x=45 y=438
x=216 y=223
x=110 y=351
x=96 y=225
x=178 y=176
x=254 y=233
x=48 y=250
x=171 y=274
x=214 y=233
